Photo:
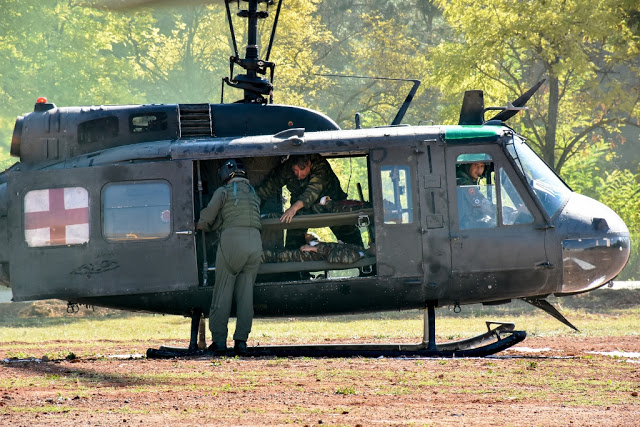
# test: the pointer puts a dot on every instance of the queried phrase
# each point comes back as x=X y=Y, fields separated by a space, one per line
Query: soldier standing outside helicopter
x=308 y=178
x=235 y=209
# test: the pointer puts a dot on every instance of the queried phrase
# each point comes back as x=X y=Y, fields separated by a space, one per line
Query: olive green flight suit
x=474 y=209
x=235 y=208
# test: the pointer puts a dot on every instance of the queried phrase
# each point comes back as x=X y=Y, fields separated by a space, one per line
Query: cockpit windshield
x=552 y=192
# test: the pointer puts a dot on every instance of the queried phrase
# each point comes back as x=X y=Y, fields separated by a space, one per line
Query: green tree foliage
x=587 y=51
x=62 y=51
x=621 y=192
x=5 y=160
x=179 y=55
x=387 y=39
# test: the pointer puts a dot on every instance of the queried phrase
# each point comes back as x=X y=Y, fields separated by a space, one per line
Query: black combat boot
x=240 y=347
x=217 y=348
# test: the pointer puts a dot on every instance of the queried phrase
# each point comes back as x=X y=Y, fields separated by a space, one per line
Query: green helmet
x=230 y=169
x=474 y=158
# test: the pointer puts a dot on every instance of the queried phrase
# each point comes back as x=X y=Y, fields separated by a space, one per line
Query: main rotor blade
x=138 y=4
x=520 y=102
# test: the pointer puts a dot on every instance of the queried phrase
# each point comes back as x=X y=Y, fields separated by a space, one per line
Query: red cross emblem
x=56 y=216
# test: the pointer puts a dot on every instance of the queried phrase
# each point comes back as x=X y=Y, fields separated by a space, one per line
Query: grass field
x=25 y=329
x=56 y=369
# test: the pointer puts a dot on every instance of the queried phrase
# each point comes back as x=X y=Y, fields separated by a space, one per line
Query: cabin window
x=476 y=192
x=56 y=216
x=396 y=193
x=97 y=130
x=147 y=122
x=136 y=211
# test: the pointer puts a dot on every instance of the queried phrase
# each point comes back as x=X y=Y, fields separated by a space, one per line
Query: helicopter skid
x=496 y=339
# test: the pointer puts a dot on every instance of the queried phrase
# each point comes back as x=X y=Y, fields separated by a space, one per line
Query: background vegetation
x=583 y=121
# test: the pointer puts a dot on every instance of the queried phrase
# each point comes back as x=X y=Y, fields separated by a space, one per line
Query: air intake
x=195 y=120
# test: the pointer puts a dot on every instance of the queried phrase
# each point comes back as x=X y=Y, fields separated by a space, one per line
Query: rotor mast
x=255 y=87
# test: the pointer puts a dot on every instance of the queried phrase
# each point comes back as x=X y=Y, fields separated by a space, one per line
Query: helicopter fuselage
x=102 y=208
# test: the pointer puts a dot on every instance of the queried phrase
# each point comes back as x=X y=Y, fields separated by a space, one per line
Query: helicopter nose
x=595 y=245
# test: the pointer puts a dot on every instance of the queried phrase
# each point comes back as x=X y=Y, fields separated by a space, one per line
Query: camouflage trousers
x=341 y=253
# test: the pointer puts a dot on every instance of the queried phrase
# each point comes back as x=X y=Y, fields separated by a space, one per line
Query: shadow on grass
x=87 y=377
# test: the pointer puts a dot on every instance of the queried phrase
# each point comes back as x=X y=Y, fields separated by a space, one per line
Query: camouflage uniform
x=321 y=181
x=341 y=253
x=234 y=208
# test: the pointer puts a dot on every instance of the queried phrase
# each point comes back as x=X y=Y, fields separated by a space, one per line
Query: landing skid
x=499 y=337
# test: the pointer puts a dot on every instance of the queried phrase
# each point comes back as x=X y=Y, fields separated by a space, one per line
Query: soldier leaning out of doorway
x=235 y=209
x=308 y=178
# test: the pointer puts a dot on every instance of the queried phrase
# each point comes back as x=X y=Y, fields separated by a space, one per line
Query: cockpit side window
x=484 y=190
x=396 y=193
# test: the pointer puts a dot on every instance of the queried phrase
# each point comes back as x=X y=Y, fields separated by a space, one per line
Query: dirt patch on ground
x=543 y=381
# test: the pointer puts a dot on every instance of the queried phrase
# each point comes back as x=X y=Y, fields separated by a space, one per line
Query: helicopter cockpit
x=478 y=200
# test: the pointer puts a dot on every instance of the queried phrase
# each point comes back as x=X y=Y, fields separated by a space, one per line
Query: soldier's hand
x=288 y=215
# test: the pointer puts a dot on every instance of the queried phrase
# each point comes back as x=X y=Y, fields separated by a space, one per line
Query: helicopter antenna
x=407 y=101
x=472 y=111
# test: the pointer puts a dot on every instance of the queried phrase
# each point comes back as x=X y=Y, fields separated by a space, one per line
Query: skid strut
x=499 y=337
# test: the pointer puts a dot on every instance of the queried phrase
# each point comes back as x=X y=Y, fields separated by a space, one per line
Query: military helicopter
x=104 y=201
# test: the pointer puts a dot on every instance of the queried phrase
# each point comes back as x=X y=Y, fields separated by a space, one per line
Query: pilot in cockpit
x=470 y=174
x=476 y=197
